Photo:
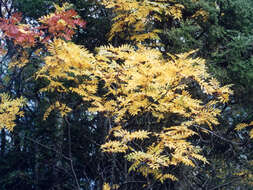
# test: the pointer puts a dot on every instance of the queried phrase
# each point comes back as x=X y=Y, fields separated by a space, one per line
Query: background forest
x=126 y=94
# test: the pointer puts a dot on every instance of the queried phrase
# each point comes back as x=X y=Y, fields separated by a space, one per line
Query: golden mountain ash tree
x=9 y=110
x=134 y=16
x=140 y=83
x=68 y=62
x=135 y=19
x=147 y=95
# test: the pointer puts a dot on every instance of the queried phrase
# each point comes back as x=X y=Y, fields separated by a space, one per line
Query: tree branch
x=70 y=154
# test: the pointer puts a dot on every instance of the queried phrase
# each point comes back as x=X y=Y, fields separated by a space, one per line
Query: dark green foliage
x=225 y=39
x=34 y=8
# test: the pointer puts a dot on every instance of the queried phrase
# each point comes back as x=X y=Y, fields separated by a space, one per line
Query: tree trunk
x=3 y=142
x=58 y=147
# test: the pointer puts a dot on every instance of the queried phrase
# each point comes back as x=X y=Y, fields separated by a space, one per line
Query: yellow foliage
x=62 y=8
x=135 y=19
x=68 y=62
x=114 y=146
x=106 y=186
x=9 y=109
x=201 y=13
x=62 y=108
x=143 y=81
x=144 y=75
x=137 y=82
x=136 y=16
x=20 y=61
x=128 y=136
x=241 y=126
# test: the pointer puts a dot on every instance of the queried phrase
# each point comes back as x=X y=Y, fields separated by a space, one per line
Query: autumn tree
x=134 y=111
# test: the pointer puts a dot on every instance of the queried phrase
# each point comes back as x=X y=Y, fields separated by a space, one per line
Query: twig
x=70 y=154
x=222 y=185
x=222 y=138
x=47 y=147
